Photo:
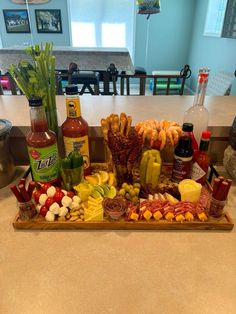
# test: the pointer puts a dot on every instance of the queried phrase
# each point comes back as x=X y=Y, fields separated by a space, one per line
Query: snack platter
x=39 y=223
x=133 y=190
x=225 y=223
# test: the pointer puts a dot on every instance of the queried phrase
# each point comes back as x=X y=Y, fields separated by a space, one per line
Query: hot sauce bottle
x=42 y=145
x=75 y=128
x=202 y=159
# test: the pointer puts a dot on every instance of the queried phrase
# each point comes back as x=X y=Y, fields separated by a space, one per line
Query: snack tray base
x=225 y=223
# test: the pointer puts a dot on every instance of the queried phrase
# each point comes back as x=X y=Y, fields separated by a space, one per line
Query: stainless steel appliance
x=7 y=167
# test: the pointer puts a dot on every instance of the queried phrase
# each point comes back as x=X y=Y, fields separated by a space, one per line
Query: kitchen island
x=57 y=272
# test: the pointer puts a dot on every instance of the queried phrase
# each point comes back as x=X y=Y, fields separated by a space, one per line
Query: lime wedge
x=106 y=189
x=99 y=189
x=112 y=192
x=95 y=194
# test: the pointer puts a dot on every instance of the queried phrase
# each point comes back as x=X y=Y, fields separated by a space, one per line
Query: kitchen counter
x=221 y=114
x=115 y=271
x=86 y=58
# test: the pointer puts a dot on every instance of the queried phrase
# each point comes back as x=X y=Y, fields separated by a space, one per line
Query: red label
x=35 y=154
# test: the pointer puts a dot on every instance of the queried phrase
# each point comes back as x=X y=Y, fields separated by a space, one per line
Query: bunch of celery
x=38 y=79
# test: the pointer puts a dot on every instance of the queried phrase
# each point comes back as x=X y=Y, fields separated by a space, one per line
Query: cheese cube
x=157 y=215
x=147 y=215
x=134 y=216
x=169 y=216
x=179 y=217
x=189 y=216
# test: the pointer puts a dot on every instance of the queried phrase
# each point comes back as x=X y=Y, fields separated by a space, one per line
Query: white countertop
x=222 y=109
x=126 y=272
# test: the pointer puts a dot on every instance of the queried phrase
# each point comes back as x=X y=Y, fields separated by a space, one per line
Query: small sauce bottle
x=188 y=131
x=182 y=159
x=75 y=128
x=202 y=159
x=42 y=145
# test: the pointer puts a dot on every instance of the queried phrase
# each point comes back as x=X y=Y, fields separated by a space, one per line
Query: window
x=215 y=17
x=102 y=23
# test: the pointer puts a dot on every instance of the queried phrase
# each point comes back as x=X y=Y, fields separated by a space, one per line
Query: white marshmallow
x=42 y=199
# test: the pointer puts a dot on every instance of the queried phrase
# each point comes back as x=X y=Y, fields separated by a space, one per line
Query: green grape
x=124 y=185
x=137 y=185
x=134 y=199
x=127 y=196
x=122 y=192
x=131 y=192
x=136 y=191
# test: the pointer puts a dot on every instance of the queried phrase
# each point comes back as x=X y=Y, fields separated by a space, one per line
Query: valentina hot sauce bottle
x=75 y=128
x=42 y=145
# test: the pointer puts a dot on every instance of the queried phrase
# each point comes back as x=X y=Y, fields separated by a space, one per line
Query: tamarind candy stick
x=220 y=194
x=216 y=185
x=24 y=193
x=221 y=178
x=17 y=194
x=31 y=187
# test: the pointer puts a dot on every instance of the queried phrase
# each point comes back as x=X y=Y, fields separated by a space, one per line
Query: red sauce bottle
x=75 y=128
x=42 y=145
x=188 y=131
x=202 y=159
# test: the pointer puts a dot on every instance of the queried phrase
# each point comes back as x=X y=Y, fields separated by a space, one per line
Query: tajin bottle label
x=181 y=168
x=73 y=107
x=78 y=143
x=44 y=163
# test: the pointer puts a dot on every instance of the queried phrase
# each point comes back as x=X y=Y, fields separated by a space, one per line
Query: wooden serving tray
x=224 y=223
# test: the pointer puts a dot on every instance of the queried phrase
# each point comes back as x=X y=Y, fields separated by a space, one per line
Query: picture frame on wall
x=48 y=21
x=16 y=21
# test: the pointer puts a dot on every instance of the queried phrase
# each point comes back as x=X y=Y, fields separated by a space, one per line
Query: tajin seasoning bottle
x=42 y=145
x=75 y=128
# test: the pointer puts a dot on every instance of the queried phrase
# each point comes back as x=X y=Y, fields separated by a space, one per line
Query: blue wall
x=19 y=39
x=216 y=53
x=169 y=36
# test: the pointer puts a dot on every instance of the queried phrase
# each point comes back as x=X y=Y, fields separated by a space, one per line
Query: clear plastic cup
x=216 y=209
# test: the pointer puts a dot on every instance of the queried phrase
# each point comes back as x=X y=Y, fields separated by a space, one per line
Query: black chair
x=86 y=78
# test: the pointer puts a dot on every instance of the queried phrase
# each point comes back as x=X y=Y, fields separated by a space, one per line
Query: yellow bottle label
x=73 y=107
x=78 y=143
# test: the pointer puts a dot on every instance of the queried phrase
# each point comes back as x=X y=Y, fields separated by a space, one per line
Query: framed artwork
x=16 y=21
x=48 y=21
x=30 y=1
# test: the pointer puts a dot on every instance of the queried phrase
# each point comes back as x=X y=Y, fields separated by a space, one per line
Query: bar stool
x=139 y=72
x=86 y=78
